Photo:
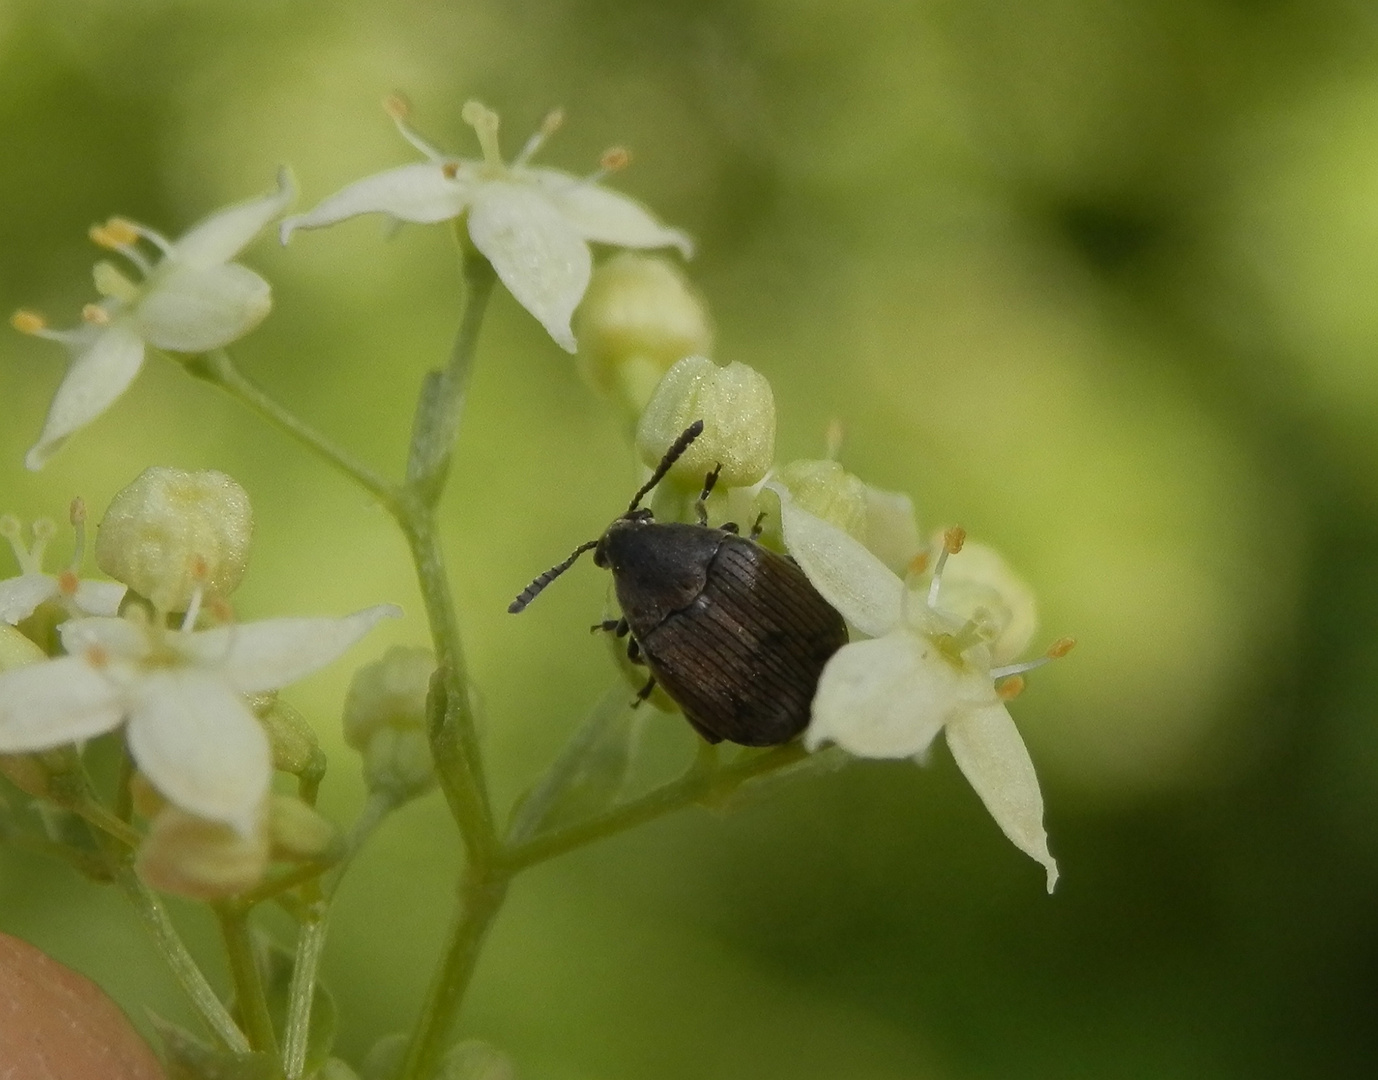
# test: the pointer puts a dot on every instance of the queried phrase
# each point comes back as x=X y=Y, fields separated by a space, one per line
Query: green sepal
x=188 y=1058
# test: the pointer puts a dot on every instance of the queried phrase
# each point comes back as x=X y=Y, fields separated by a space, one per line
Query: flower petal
x=198 y=743
x=539 y=256
x=892 y=533
x=420 y=193
x=884 y=698
x=194 y=309
x=607 y=217
x=258 y=656
x=99 y=597
x=846 y=574
x=19 y=596
x=223 y=235
x=988 y=749
x=98 y=374
x=54 y=702
x=119 y=638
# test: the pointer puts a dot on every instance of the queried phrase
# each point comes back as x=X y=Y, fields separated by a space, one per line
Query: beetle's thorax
x=657 y=569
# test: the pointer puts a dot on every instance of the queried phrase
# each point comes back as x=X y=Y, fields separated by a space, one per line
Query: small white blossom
x=533 y=224
x=930 y=664
x=20 y=596
x=180 y=694
x=190 y=300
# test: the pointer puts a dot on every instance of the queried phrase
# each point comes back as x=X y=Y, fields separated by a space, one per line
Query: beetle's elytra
x=733 y=632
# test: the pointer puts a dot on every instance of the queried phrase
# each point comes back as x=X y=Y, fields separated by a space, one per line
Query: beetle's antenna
x=692 y=432
x=534 y=589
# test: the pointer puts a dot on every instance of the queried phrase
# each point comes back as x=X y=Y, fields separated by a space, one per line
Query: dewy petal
x=99 y=597
x=419 y=193
x=540 y=257
x=97 y=376
x=226 y=233
x=194 y=309
x=607 y=217
x=21 y=595
x=988 y=749
x=53 y=702
x=854 y=581
x=253 y=657
x=200 y=746
x=884 y=698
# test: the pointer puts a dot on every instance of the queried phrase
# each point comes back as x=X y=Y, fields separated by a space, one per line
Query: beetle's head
x=632 y=519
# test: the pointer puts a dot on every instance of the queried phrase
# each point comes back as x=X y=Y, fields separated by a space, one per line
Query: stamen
x=28 y=322
x=613 y=160
x=398 y=109
x=1011 y=688
x=953 y=540
x=833 y=440
x=552 y=123
x=67 y=583
x=1056 y=651
x=114 y=235
x=1061 y=647
x=12 y=531
x=76 y=514
x=199 y=573
x=95 y=315
x=484 y=121
x=96 y=656
x=450 y=170
x=43 y=531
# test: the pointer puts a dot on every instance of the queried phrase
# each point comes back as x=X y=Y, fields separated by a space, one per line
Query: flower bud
x=296 y=831
x=385 y=720
x=638 y=317
x=170 y=531
x=737 y=408
x=390 y=692
x=293 y=740
x=203 y=860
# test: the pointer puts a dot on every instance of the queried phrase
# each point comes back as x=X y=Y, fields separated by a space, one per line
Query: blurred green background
x=1096 y=278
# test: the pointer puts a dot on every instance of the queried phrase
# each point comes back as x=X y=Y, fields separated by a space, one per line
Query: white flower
x=189 y=729
x=533 y=224
x=190 y=300
x=930 y=664
x=21 y=596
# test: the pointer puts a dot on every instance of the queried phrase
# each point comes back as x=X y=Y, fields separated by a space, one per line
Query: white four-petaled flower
x=180 y=693
x=929 y=663
x=20 y=596
x=193 y=298
x=533 y=224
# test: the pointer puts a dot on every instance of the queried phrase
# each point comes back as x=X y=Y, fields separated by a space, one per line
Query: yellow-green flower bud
x=399 y=763
x=294 y=743
x=298 y=832
x=390 y=692
x=826 y=490
x=204 y=860
x=638 y=317
x=737 y=408
x=171 y=531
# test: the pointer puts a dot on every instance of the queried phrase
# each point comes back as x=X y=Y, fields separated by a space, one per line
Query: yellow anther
x=917 y=565
x=199 y=568
x=67 y=582
x=1011 y=688
x=615 y=159
x=397 y=106
x=95 y=315
x=953 y=539
x=554 y=120
x=114 y=234
x=97 y=656
x=1060 y=648
x=28 y=322
x=449 y=170
x=43 y=530
x=76 y=513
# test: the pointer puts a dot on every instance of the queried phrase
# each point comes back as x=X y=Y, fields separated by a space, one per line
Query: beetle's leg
x=611 y=626
x=634 y=651
x=709 y=482
x=729 y=526
x=645 y=691
x=760 y=525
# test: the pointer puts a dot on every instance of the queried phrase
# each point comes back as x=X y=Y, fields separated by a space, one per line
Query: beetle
x=732 y=631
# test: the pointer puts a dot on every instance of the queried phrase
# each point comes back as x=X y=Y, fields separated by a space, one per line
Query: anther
x=96 y=656
x=832 y=441
x=554 y=120
x=95 y=315
x=551 y=124
x=397 y=106
x=484 y=121
x=918 y=565
x=449 y=170
x=28 y=322
x=614 y=159
x=953 y=539
x=1011 y=688
x=1060 y=648
x=67 y=583
x=115 y=234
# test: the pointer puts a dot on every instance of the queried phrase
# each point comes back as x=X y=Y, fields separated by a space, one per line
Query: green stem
x=248 y=980
x=217 y=367
x=480 y=899
x=701 y=783
x=184 y=969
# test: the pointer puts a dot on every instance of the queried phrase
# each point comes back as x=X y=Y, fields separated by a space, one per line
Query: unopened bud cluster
x=385 y=720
